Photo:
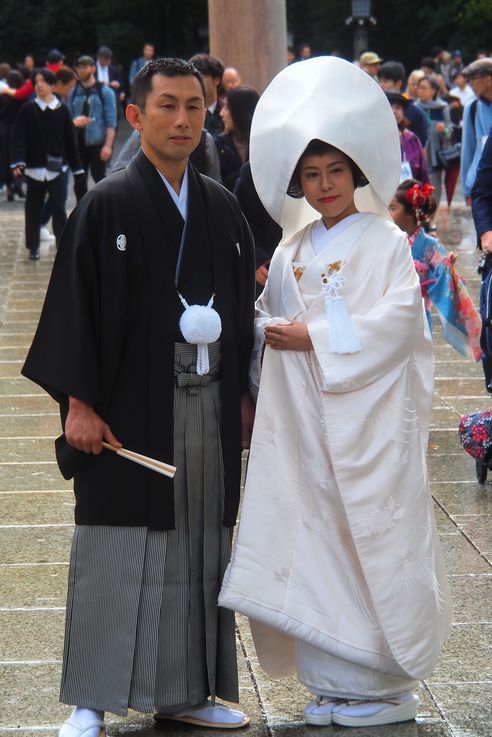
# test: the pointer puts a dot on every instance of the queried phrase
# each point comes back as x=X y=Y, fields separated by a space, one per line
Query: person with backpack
x=477 y=122
x=93 y=109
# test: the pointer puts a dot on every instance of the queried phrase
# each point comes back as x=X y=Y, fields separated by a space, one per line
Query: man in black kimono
x=143 y=629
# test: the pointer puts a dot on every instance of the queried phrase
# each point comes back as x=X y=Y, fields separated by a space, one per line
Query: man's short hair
x=64 y=75
x=456 y=73
x=105 y=52
x=478 y=68
x=54 y=56
x=392 y=70
x=428 y=62
x=207 y=64
x=15 y=79
x=46 y=74
x=4 y=69
x=167 y=67
x=85 y=61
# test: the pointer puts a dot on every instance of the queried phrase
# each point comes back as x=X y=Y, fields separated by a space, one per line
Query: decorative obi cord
x=200 y=325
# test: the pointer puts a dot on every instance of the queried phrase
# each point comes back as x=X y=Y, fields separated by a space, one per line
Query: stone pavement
x=36 y=524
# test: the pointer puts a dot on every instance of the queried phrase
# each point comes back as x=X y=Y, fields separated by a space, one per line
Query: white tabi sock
x=83 y=723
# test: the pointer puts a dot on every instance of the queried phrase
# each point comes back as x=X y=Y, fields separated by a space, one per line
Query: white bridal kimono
x=337 y=561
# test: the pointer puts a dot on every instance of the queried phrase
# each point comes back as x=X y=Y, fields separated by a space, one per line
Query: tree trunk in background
x=250 y=35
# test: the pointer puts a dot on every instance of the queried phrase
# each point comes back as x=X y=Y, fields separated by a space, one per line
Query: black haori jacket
x=107 y=331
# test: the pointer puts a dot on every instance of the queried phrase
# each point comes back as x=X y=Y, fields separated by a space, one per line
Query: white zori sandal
x=376 y=713
x=84 y=723
x=208 y=715
x=319 y=712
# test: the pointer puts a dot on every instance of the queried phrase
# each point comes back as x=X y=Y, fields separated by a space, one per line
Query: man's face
x=148 y=52
x=482 y=86
x=171 y=124
x=460 y=81
x=211 y=84
x=371 y=69
x=84 y=71
x=63 y=90
x=388 y=85
x=230 y=79
x=103 y=61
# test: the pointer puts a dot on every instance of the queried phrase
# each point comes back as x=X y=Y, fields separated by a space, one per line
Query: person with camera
x=43 y=147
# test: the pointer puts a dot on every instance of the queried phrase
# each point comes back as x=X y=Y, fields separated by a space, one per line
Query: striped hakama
x=143 y=629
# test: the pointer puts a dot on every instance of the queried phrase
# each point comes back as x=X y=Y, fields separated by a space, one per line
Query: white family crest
x=121 y=242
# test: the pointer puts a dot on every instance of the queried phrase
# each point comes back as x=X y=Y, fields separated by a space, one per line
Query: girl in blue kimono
x=442 y=287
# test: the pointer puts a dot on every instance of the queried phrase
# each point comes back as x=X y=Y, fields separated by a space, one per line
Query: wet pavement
x=36 y=510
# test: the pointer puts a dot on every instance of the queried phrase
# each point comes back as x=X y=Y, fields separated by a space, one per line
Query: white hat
x=332 y=100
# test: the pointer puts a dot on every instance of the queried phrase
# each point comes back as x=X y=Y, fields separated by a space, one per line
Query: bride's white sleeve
x=263 y=317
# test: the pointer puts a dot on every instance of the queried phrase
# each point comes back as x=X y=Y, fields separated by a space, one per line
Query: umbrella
x=450 y=180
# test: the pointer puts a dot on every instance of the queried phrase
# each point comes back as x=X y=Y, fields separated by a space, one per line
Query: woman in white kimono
x=337 y=561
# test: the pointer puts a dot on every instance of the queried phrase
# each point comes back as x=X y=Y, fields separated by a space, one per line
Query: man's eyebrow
x=175 y=99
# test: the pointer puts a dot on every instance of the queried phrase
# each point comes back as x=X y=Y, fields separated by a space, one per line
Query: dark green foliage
x=405 y=30
x=81 y=26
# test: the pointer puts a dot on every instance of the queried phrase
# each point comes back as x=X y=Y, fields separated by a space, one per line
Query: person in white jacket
x=337 y=561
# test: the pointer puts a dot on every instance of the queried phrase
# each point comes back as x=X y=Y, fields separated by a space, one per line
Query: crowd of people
x=438 y=140
x=149 y=339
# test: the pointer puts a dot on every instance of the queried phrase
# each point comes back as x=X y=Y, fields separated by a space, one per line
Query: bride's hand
x=291 y=337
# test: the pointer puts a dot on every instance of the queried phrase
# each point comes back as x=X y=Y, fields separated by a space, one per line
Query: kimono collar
x=181 y=200
x=413 y=236
x=322 y=236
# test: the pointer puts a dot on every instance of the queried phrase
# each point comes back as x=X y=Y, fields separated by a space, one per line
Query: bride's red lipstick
x=328 y=199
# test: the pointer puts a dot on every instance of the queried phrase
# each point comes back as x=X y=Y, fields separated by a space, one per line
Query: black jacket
x=213 y=121
x=108 y=326
x=230 y=161
x=266 y=232
x=38 y=132
x=418 y=121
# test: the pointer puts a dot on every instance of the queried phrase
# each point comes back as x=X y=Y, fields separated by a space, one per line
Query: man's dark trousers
x=91 y=160
x=36 y=193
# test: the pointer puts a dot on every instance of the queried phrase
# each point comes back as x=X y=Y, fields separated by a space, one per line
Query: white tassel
x=200 y=325
x=343 y=338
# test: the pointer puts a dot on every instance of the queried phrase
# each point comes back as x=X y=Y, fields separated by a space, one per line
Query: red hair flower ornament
x=417 y=196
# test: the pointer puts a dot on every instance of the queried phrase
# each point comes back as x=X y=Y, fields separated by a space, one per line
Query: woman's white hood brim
x=332 y=100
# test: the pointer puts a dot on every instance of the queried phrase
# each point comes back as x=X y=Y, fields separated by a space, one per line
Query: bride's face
x=328 y=185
